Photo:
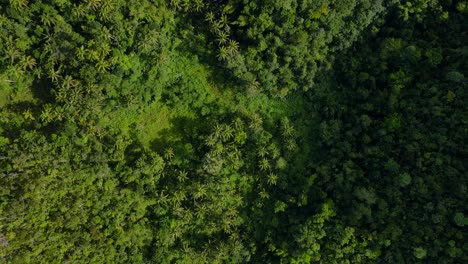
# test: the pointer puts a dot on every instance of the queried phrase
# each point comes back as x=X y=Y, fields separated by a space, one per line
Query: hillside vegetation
x=233 y=131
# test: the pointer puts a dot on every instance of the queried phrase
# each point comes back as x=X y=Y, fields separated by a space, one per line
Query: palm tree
x=61 y=95
x=81 y=52
x=218 y=131
x=47 y=19
x=216 y=27
x=102 y=66
x=182 y=176
x=210 y=17
x=223 y=53
x=227 y=132
x=19 y=4
x=272 y=179
x=169 y=153
x=238 y=123
x=107 y=7
x=3 y=20
x=262 y=151
x=94 y=4
x=275 y=152
x=210 y=141
x=199 y=5
x=288 y=129
x=68 y=82
x=79 y=10
x=200 y=191
x=91 y=88
x=54 y=74
x=162 y=198
x=291 y=145
x=264 y=194
x=256 y=122
x=224 y=21
x=218 y=150
x=176 y=4
x=46 y=115
x=76 y=94
x=12 y=53
x=59 y=113
x=28 y=115
x=14 y=72
x=48 y=49
x=233 y=47
x=104 y=49
x=179 y=196
x=93 y=55
x=234 y=154
x=264 y=164
x=37 y=72
x=222 y=38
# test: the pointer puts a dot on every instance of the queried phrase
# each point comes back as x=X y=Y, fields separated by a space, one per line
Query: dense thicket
x=395 y=135
x=233 y=131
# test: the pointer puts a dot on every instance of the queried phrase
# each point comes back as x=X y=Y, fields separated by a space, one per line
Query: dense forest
x=233 y=131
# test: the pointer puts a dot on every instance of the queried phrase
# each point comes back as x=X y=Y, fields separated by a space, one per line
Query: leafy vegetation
x=233 y=131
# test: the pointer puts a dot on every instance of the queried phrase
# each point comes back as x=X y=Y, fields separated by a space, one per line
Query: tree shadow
x=183 y=136
x=42 y=90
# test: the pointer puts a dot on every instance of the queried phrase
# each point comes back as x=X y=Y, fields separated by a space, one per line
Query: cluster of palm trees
x=224 y=143
x=225 y=151
x=219 y=24
x=288 y=133
x=188 y=5
x=228 y=47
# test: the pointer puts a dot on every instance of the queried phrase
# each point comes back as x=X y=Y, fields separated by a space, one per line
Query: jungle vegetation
x=233 y=131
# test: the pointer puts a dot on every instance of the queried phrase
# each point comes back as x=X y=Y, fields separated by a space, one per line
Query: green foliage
x=420 y=253
x=405 y=179
x=460 y=219
x=233 y=131
x=387 y=138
